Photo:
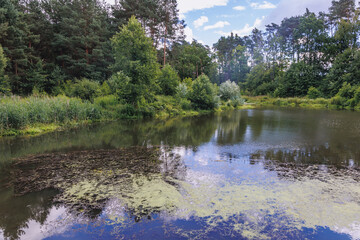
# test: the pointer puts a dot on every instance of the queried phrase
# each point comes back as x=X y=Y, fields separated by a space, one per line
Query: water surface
x=249 y=174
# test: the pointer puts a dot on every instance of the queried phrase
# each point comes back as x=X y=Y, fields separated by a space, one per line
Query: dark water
x=251 y=174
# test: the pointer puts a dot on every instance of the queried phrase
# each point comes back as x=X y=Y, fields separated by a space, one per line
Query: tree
x=168 y=80
x=192 y=60
x=299 y=78
x=16 y=38
x=346 y=68
x=231 y=58
x=135 y=60
x=159 y=18
x=4 y=85
x=80 y=42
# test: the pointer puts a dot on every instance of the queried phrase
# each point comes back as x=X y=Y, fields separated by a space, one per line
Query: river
x=247 y=174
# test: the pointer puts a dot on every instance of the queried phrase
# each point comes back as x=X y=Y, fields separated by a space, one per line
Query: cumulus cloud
x=219 y=24
x=189 y=34
x=201 y=21
x=263 y=5
x=246 y=30
x=289 y=8
x=191 y=5
x=239 y=8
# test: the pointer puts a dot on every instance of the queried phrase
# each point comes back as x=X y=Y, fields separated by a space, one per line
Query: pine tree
x=81 y=38
x=4 y=85
x=135 y=63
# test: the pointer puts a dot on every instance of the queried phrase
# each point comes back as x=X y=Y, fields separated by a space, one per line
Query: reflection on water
x=252 y=174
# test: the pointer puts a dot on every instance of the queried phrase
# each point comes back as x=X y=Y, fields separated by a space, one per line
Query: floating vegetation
x=139 y=182
x=85 y=179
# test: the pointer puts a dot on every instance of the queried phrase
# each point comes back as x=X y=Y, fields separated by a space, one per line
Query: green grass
x=335 y=103
x=36 y=115
x=40 y=114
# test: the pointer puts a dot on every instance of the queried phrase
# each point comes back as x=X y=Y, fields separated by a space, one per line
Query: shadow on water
x=252 y=174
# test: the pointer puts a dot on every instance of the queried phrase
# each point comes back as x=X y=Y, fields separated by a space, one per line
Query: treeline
x=138 y=87
x=73 y=48
x=314 y=55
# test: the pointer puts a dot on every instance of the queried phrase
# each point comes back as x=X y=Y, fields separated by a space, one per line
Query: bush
x=168 y=80
x=182 y=91
x=229 y=91
x=203 y=93
x=346 y=91
x=84 y=89
x=313 y=93
x=106 y=101
x=357 y=95
x=338 y=101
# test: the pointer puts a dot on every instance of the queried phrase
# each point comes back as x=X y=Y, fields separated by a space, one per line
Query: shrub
x=168 y=80
x=203 y=93
x=338 y=101
x=106 y=101
x=229 y=91
x=313 y=93
x=84 y=89
x=357 y=95
x=182 y=91
x=346 y=91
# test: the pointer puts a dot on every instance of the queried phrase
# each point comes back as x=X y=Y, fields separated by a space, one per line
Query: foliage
x=16 y=112
x=203 y=93
x=168 y=80
x=229 y=91
x=313 y=93
x=182 y=90
x=4 y=85
x=346 y=68
x=192 y=60
x=135 y=59
x=299 y=78
x=84 y=89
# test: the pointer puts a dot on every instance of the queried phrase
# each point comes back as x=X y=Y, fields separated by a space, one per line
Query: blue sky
x=208 y=20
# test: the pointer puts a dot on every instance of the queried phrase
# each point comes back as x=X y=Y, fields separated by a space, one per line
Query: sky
x=208 y=20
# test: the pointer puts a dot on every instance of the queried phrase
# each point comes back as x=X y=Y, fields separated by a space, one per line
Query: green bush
x=338 y=101
x=229 y=91
x=346 y=91
x=168 y=80
x=84 y=89
x=106 y=101
x=203 y=93
x=313 y=93
x=357 y=95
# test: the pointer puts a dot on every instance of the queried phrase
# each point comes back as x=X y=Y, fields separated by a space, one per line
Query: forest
x=64 y=61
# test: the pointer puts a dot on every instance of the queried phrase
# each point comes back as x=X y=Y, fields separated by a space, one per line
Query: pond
x=247 y=174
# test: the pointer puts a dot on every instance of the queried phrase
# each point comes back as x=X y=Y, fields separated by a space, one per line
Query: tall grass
x=17 y=112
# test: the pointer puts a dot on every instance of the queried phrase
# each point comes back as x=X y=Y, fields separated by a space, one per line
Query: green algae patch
x=145 y=181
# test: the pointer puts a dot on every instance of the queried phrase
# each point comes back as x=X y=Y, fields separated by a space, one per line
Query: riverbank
x=306 y=103
x=36 y=115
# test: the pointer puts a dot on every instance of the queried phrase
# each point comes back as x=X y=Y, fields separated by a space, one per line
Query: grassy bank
x=306 y=103
x=36 y=115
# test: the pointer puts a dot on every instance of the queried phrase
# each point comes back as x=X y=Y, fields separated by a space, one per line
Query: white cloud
x=219 y=24
x=239 y=8
x=191 y=5
x=201 y=21
x=289 y=8
x=246 y=30
x=263 y=5
x=189 y=34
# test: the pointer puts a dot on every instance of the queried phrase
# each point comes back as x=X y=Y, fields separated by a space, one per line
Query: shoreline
x=256 y=102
